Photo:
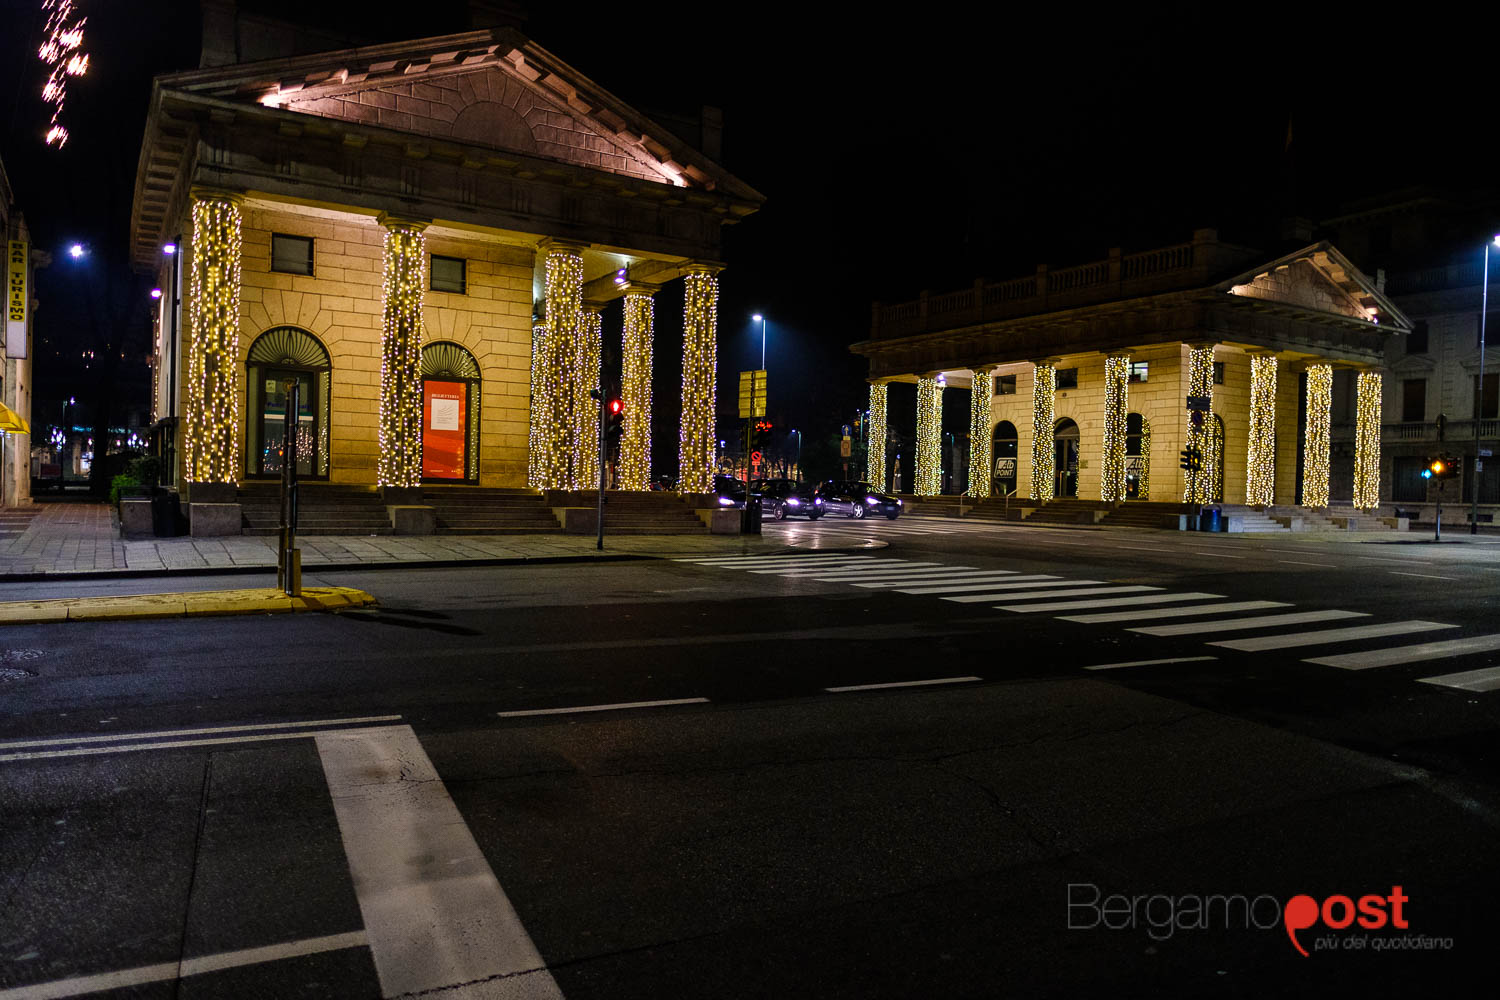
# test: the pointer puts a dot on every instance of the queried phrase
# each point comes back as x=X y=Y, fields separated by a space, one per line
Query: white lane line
x=434 y=912
x=794 y=563
x=1113 y=602
x=1487 y=679
x=973 y=576
x=714 y=560
x=1425 y=576
x=898 y=575
x=1411 y=654
x=1147 y=613
x=164 y=971
x=163 y=734
x=809 y=559
x=1150 y=663
x=1295 y=639
x=602 y=708
x=1001 y=583
x=1038 y=595
x=169 y=745
x=1216 y=555
x=1294 y=562
x=871 y=569
x=1408 y=562
x=902 y=684
x=1258 y=621
x=1138 y=548
x=995 y=592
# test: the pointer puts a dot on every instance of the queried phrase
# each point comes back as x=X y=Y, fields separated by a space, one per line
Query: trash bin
x=1210 y=520
x=750 y=517
x=164 y=515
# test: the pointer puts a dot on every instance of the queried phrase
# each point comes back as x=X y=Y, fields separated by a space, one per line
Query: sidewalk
x=78 y=540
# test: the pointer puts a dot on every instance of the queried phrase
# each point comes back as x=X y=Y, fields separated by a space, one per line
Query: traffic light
x=1440 y=467
x=1192 y=459
x=614 y=421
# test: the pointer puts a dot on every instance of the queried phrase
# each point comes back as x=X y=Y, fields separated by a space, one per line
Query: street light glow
x=75 y=251
x=169 y=249
x=757 y=317
x=156 y=293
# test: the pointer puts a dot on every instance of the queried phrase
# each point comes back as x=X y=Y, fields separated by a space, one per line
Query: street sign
x=1201 y=404
x=845 y=447
x=755 y=458
x=1486 y=453
x=845 y=431
x=752 y=394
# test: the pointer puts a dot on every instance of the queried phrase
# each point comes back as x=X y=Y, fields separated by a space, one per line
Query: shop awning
x=12 y=422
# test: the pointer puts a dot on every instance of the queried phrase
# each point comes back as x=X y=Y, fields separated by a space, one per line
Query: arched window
x=450 y=414
x=279 y=356
x=1004 y=453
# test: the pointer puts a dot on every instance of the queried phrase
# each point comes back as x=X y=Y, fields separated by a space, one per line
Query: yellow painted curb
x=265 y=600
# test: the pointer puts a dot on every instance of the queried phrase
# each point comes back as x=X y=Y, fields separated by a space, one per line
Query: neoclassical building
x=1090 y=381
x=421 y=235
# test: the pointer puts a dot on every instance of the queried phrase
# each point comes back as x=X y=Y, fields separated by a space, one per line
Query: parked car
x=730 y=491
x=856 y=499
x=784 y=498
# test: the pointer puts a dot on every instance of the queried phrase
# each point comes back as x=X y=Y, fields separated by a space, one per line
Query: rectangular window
x=1218 y=373
x=1138 y=371
x=1487 y=406
x=1416 y=341
x=1408 y=485
x=1005 y=385
x=291 y=254
x=1414 y=399
x=449 y=274
x=1067 y=378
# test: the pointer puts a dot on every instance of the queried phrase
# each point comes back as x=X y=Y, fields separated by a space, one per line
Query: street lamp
x=1484 y=305
x=758 y=318
x=799 y=450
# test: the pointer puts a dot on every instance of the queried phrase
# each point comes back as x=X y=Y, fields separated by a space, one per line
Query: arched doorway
x=278 y=356
x=1004 y=449
x=1065 y=459
x=450 y=414
x=1137 y=457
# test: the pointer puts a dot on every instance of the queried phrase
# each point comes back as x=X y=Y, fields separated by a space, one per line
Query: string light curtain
x=213 y=391
x=1143 y=476
x=400 y=460
x=1260 y=485
x=1199 y=486
x=560 y=367
x=635 y=391
x=929 y=437
x=585 y=407
x=700 y=331
x=1367 y=441
x=979 y=434
x=875 y=451
x=1043 y=391
x=1316 y=436
x=540 y=406
x=1116 y=407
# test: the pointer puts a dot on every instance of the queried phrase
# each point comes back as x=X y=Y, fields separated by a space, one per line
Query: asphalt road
x=396 y=801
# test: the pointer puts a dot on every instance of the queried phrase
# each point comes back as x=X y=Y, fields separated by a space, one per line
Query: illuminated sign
x=15 y=299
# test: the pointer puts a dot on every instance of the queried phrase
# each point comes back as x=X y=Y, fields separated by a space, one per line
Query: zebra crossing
x=1147 y=610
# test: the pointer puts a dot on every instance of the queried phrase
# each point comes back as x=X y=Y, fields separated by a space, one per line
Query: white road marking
x=1425 y=576
x=602 y=708
x=165 y=971
x=1409 y=562
x=170 y=744
x=799 y=561
x=872 y=569
x=997 y=583
x=1294 y=562
x=1145 y=613
x=1114 y=602
x=714 y=560
x=901 y=574
x=977 y=576
x=1295 y=639
x=1411 y=654
x=1259 y=621
x=162 y=734
x=1150 y=663
x=1487 y=679
x=995 y=592
x=1216 y=555
x=1138 y=548
x=902 y=684
x=435 y=914
x=1038 y=595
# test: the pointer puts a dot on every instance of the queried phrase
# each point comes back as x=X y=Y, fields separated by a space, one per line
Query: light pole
x=1484 y=305
x=758 y=318
x=799 y=451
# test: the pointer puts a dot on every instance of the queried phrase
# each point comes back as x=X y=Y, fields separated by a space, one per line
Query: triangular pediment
x=1412 y=364
x=1319 y=279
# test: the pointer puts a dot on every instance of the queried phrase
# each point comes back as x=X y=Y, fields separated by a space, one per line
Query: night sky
x=896 y=153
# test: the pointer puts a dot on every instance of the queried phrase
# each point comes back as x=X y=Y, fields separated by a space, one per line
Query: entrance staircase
x=322 y=509
x=478 y=510
x=1070 y=511
x=941 y=506
x=1147 y=514
x=1333 y=519
x=655 y=513
x=1252 y=519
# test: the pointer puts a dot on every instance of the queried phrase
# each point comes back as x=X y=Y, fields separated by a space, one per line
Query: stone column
x=1043 y=388
x=211 y=441
x=1116 y=409
x=587 y=351
x=635 y=392
x=1367 y=441
x=875 y=452
x=399 y=464
x=980 y=472
x=929 y=477
x=700 y=331
x=541 y=405
x=1260 y=461
x=1315 y=436
x=1200 y=382
x=556 y=456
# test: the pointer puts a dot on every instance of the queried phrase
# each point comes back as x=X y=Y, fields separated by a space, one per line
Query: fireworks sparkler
x=62 y=51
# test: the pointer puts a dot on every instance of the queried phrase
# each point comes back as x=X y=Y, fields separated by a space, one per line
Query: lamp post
x=799 y=451
x=1484 y=305
x=758 y=318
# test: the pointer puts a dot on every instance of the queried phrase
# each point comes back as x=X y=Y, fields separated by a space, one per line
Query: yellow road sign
x=752 y=394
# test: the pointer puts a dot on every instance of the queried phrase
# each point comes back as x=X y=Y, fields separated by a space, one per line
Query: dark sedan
x=856 y=499
x=730 y=491
x=784 y=498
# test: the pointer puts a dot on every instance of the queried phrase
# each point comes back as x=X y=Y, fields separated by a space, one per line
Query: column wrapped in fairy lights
x=700 y=332
x=1315 y=446
x=1116 y=407
x=1260 y=478
x=1367 y=441
x=635 y=391
x=875 y=450
x=1043 y=390
x=1199 y=486
x=929 y=478
x=400 y=459
x=558 y=459
x=980 y=473
x=210 y=444
x=585 y=379
x=540 y=406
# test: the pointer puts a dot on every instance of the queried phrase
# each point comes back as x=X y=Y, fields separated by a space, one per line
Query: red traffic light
x=614 y=406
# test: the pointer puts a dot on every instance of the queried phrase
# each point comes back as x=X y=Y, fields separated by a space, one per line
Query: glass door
x=273 y=417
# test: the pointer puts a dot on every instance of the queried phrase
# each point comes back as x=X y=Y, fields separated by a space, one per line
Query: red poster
x=443 y=423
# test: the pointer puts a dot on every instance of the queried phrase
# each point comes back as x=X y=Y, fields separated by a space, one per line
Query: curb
x=184 y=605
